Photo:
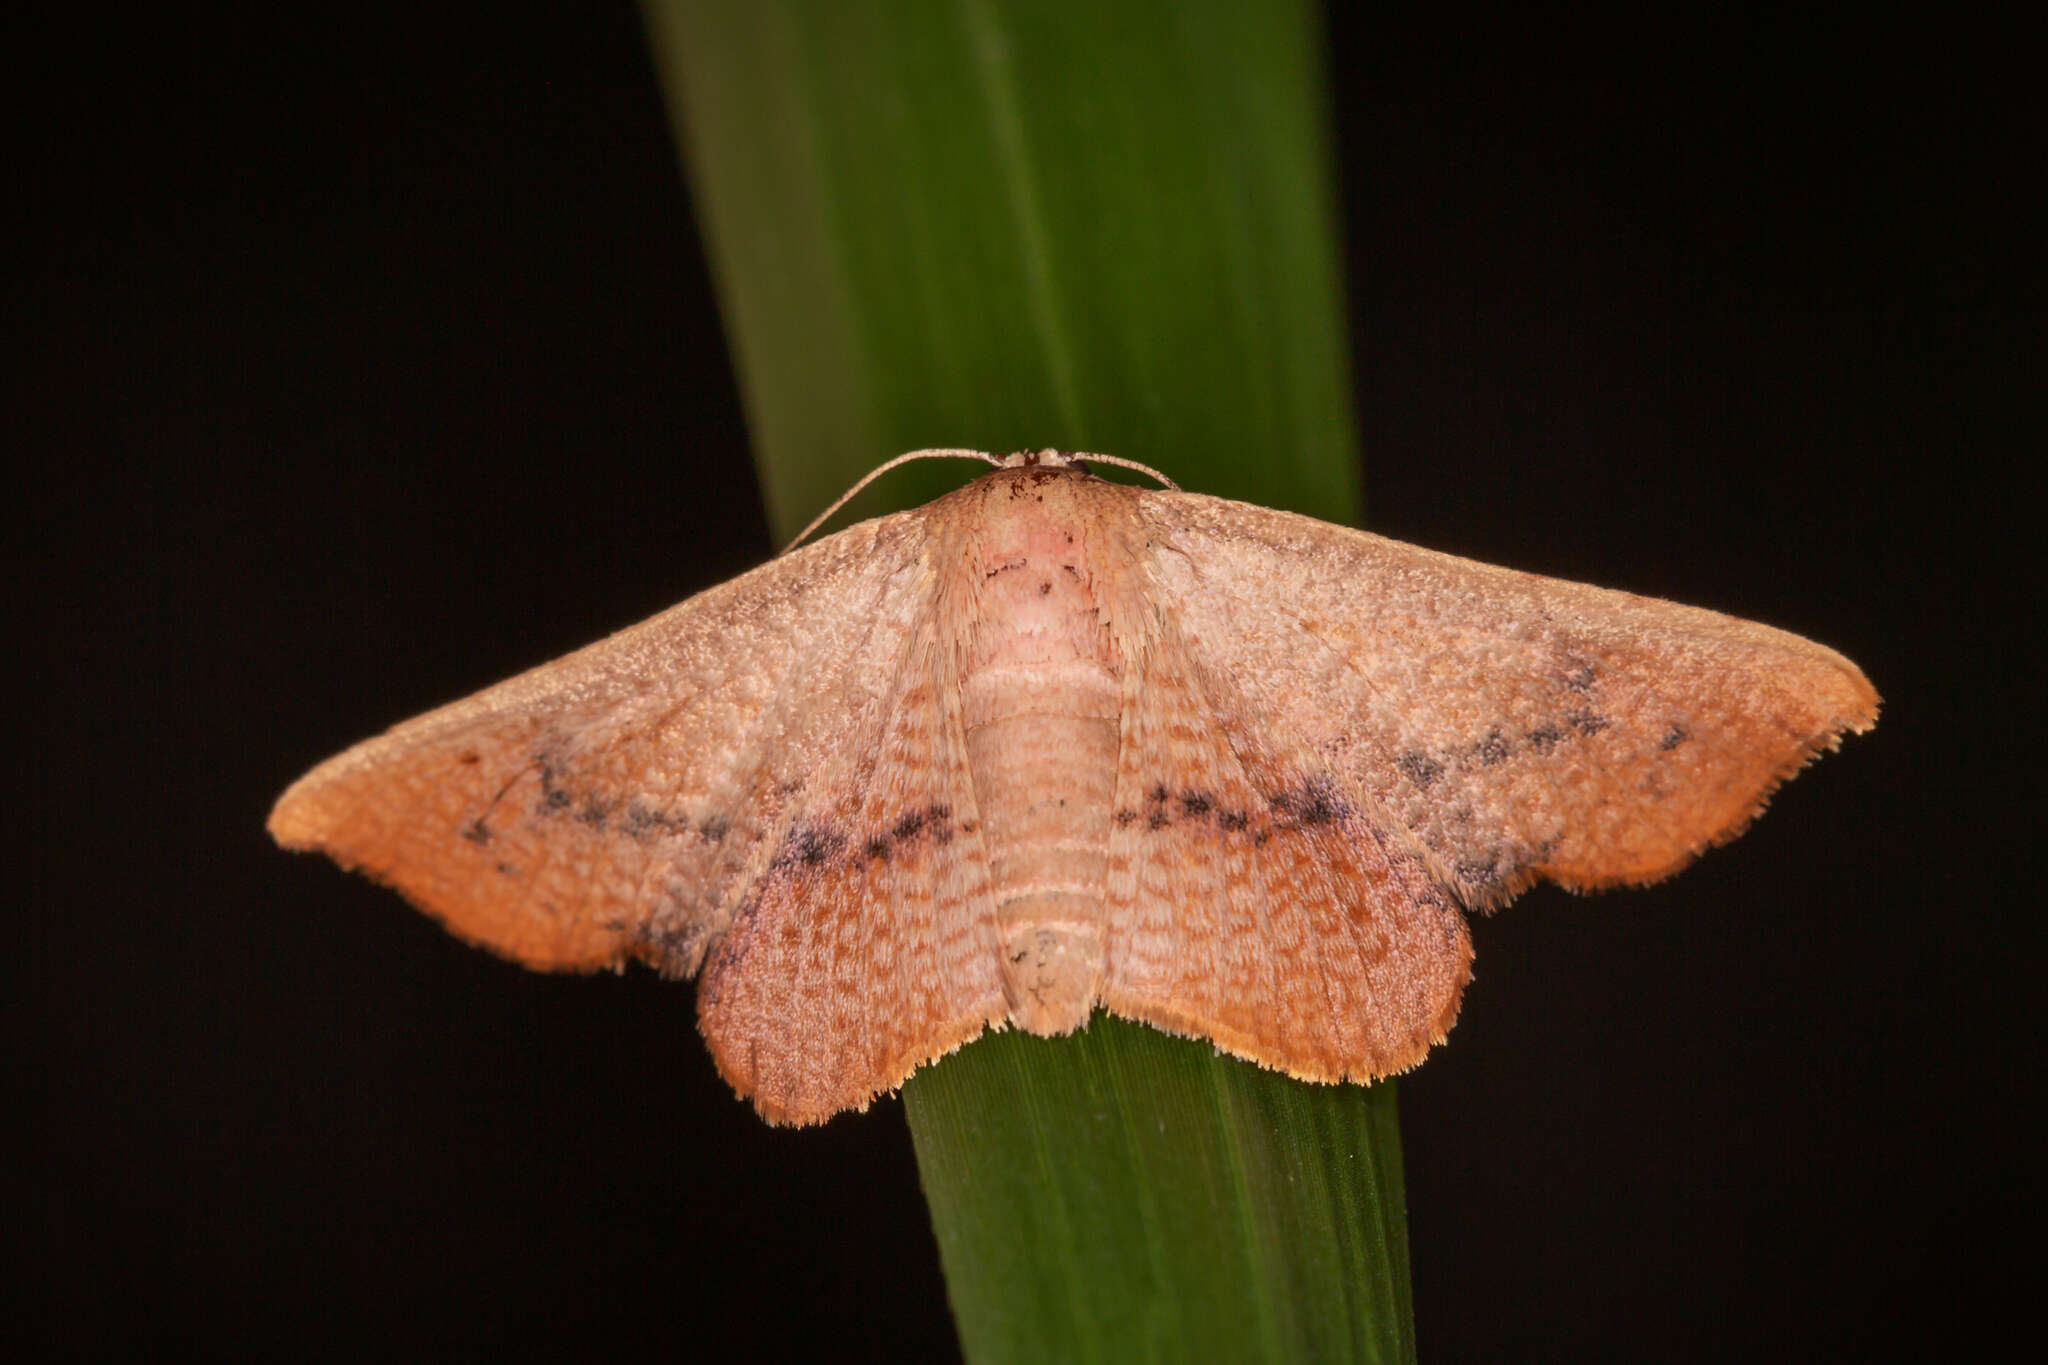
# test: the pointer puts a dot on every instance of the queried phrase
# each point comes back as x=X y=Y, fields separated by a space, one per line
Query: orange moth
x=1051 y=743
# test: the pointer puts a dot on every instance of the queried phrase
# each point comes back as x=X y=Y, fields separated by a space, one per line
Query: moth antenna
x=1121 y=463
x=877 y=472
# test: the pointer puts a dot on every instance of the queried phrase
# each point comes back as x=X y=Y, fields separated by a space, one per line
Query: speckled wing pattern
x=676 y=790
x=1332 y=735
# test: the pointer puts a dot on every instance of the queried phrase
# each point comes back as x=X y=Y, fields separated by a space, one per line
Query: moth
x=1050 y=743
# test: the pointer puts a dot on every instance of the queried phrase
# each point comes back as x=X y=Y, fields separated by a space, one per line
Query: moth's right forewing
x=616 y=802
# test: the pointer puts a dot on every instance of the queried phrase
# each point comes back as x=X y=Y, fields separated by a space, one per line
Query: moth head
x=1043 y=459
x=1021 y=459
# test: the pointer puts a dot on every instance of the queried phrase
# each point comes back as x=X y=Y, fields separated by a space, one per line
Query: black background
x=368 y=356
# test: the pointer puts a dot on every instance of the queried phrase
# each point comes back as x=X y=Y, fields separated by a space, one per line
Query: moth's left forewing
x=1519 y=726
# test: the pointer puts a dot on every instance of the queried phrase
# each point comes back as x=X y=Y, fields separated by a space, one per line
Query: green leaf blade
x=1001 y=224
x=1146 y=1195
